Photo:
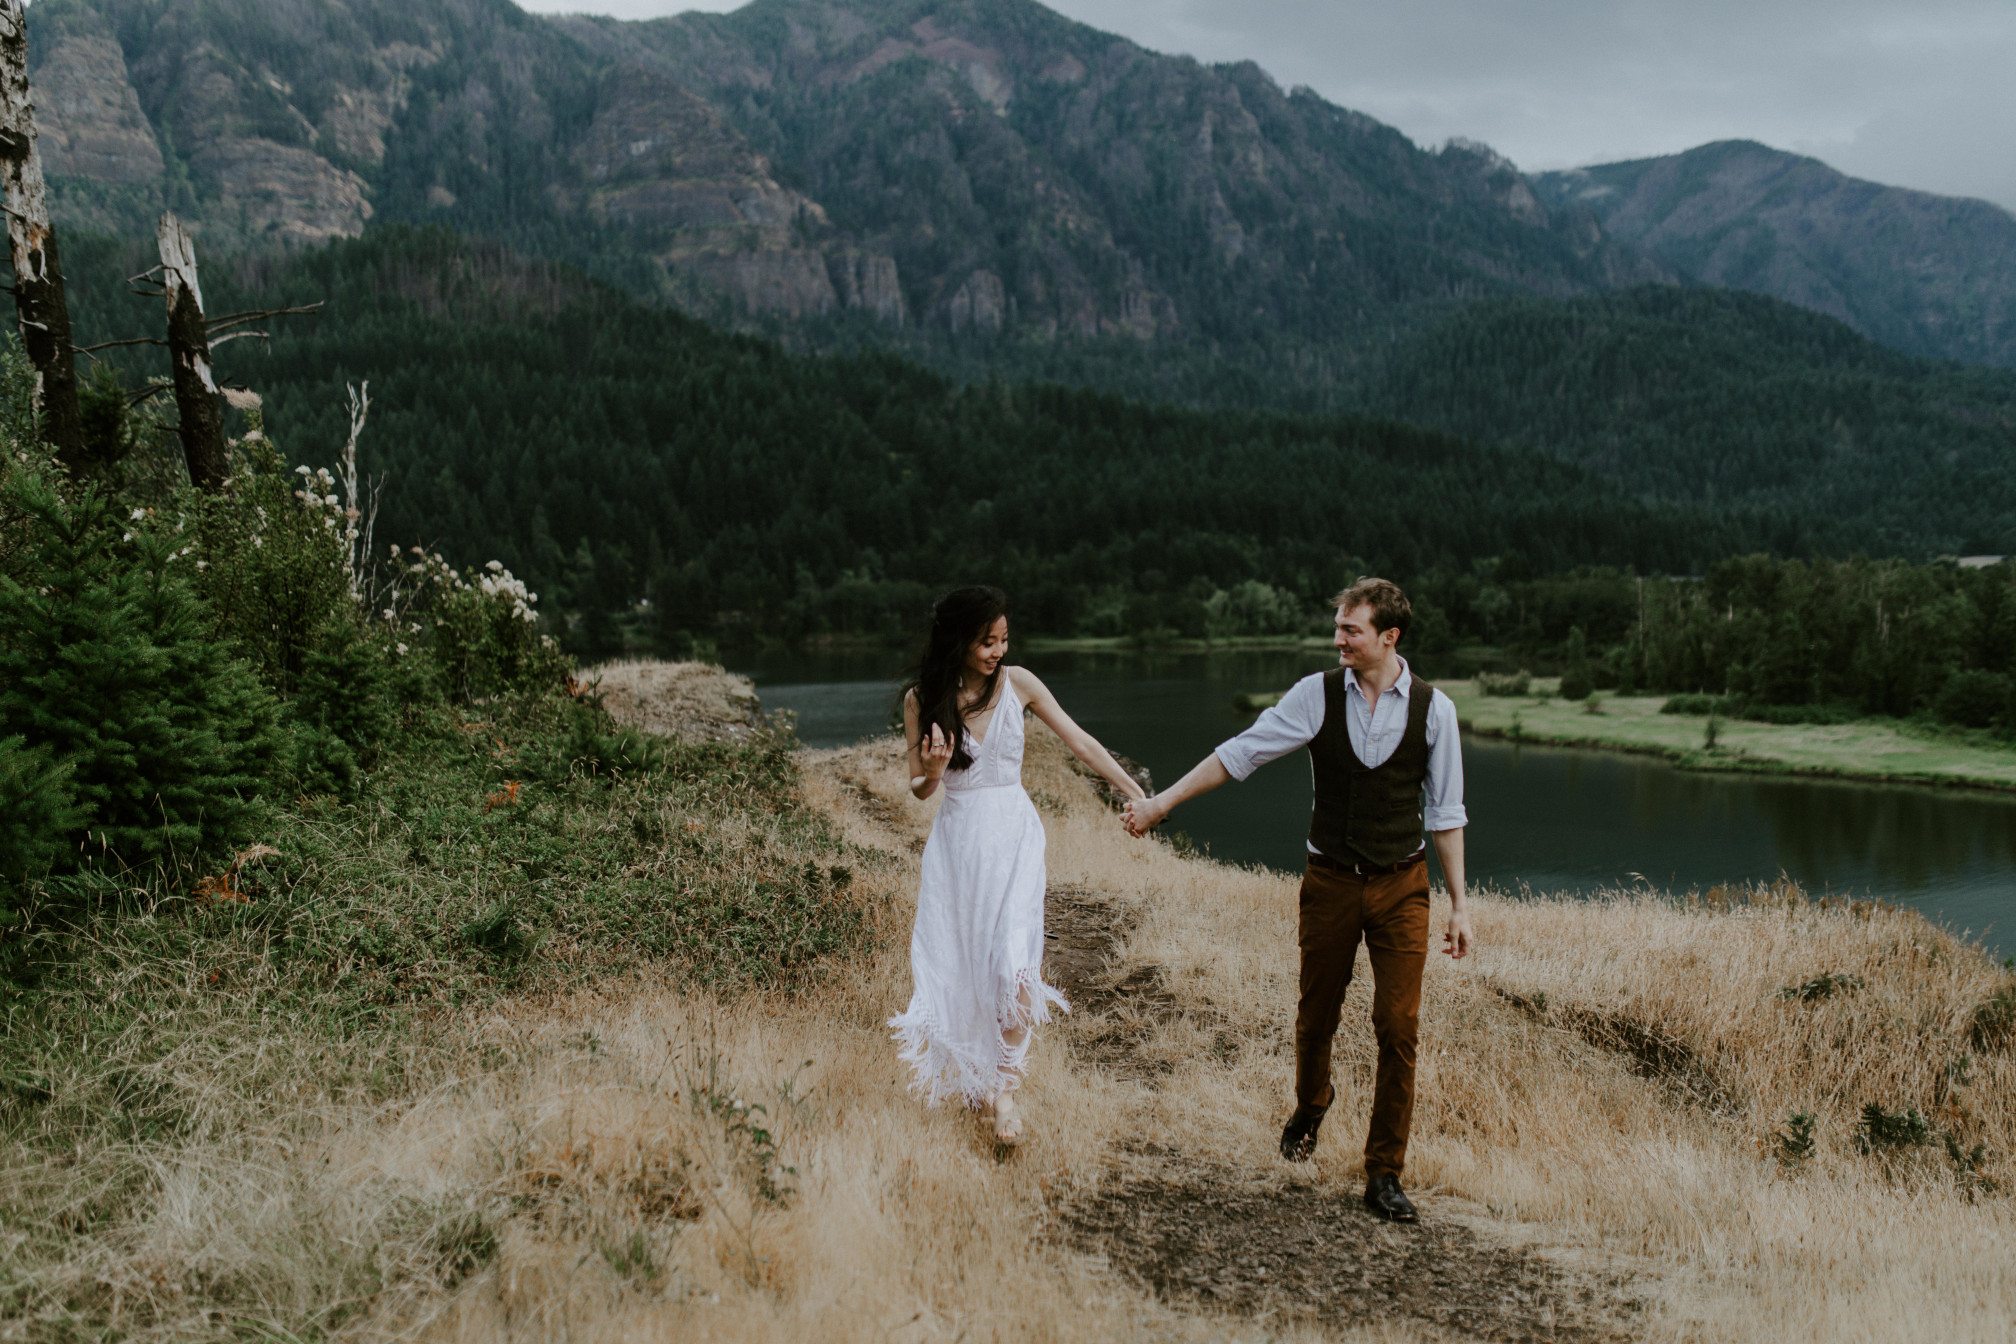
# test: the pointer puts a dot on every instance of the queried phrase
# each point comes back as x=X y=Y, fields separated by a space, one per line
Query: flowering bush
x=269 y=555
x=484 y=636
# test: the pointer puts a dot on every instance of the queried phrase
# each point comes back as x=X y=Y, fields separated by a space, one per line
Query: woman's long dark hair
x=960 y=620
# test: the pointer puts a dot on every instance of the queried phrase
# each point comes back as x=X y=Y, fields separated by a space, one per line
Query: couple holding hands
x=1388 y=767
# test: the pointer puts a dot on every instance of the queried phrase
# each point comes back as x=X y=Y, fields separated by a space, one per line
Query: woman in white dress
x=976 y=954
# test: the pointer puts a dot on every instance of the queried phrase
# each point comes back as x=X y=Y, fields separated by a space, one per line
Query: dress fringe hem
x=941 y=1067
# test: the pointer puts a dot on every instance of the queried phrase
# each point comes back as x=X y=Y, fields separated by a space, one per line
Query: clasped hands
x=1142 y=815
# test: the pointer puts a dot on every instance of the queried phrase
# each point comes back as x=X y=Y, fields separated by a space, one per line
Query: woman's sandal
x=1007 y=1120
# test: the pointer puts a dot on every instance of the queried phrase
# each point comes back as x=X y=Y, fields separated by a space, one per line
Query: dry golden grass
x=677 y=699
x=580 y=1168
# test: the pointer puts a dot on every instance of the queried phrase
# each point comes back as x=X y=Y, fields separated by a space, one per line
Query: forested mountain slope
x=1933 y=275
x=615 y=452
x=1717 y=397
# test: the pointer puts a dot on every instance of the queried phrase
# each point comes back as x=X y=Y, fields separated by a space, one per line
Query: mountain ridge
x=975 y=166
x=1926 y=274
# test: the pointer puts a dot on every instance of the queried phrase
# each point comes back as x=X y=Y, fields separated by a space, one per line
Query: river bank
x=1872 y=750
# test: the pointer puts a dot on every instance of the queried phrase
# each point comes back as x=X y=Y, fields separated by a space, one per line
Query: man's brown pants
x=1389 y=911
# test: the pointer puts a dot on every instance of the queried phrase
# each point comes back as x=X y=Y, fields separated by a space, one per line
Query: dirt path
x=1246 y=1238
x=1208 y=1236
x=1205 y=1235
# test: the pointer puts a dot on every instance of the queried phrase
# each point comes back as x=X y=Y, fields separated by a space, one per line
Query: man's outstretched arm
x=1143 y=815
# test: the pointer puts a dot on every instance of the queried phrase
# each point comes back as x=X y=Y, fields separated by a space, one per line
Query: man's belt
x=1367 y=869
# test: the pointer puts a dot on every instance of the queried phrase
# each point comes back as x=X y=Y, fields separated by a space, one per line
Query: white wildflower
x=391 y=615
x=495 y=566
x=257 y=540
x=138 y=514
x=301 y=471
x=400 y=648
x=202 y=564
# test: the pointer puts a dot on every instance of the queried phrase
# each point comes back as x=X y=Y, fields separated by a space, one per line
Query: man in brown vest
x=1388 y=765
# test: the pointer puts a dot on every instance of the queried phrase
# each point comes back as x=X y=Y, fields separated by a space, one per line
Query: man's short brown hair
x=1390 y=608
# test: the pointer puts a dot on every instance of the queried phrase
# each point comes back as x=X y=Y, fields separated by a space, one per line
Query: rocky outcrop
x=790 y=282
x=88 y=114
x=279 y=194
x=868 y=282
x=980 y=304
x=657 y=156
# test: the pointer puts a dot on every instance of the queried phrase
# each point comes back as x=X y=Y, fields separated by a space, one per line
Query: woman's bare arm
x=1082 y=744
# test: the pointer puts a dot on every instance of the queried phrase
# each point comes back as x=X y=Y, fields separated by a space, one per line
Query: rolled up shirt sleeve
x=1442 y=794
x=1283 y=728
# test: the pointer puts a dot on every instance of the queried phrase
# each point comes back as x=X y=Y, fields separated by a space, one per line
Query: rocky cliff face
x=88 y=115
x=1107 y=190
x=1929 y=274
x=269 y=126
x=961 y=166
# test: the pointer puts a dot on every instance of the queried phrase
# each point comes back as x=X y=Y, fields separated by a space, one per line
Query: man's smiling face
x=1359 y=642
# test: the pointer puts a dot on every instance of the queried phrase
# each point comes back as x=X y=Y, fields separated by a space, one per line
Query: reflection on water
x=1540 y=817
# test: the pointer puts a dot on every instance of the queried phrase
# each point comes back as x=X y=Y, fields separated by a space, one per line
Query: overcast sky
x=1919 y=93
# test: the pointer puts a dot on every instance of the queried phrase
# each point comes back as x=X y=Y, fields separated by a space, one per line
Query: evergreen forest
x=672 y=487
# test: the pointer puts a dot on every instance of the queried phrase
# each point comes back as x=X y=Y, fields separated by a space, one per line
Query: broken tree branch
x=260 y=315
x=196 y=394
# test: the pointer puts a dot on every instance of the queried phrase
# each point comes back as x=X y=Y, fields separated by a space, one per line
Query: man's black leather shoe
x=1298 y=1140
x=1384 y=1197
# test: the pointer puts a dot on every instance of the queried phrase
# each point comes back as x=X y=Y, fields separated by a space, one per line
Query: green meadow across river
x=1888 y=750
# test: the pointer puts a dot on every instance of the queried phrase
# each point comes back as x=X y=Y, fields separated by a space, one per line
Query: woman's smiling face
x=985 y=653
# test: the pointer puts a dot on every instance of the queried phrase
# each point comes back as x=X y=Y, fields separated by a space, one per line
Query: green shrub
x=1974 y=698
x=484 y=636
x=37 y=812
x=1796 y=714
x=273 y=569
x=1505 y=683
x=1823 y=986
x=1993 y=1026
x=1253 y=608
x=1882 y=1131
x=1695 y=704
x=109 y=664
x=1578 y=678
x=1795 y=1143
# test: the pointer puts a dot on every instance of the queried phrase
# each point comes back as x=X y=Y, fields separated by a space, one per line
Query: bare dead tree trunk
x=196 y=393
x=38 y=274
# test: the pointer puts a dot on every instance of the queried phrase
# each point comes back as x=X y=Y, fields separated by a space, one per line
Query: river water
x=1545 y=819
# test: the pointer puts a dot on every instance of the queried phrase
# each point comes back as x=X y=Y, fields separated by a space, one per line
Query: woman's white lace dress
x=976 y=954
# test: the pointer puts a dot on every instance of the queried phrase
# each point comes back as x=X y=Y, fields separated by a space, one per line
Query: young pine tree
x=108 y=668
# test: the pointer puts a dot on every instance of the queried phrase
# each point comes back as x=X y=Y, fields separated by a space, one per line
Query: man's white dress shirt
x=1375 y=733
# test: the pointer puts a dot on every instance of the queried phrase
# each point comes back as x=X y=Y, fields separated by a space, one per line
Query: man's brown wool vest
x=1361 y=814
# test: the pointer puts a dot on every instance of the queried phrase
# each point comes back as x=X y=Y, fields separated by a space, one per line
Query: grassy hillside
x=1638 y=1119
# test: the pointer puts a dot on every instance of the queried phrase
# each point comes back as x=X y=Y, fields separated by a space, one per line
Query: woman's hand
x=935 y=751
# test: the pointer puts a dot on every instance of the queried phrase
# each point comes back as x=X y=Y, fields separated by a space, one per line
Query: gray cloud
x=1917 y=93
